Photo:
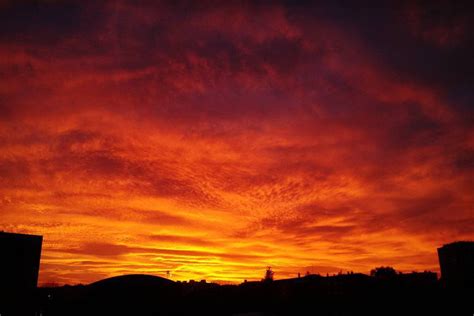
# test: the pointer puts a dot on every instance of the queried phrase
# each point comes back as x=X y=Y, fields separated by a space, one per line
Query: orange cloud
x=215 y=141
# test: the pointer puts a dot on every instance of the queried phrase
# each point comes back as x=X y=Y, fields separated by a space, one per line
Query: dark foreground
x=351 y=294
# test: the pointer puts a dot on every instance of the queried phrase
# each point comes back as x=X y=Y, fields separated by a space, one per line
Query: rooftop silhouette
x=20 y=255
x=456 y=261
x=19 y=266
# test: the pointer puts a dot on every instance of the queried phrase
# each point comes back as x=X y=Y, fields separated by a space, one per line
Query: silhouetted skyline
x=22 y=256
x=141 y=294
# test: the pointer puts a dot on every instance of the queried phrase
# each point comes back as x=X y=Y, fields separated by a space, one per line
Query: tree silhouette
x=268 y=275
x=383 y=272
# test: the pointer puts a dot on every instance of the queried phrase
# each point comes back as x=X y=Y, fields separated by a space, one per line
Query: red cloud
x=215 y=142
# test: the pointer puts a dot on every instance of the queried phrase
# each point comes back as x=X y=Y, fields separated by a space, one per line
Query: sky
x=212 y=139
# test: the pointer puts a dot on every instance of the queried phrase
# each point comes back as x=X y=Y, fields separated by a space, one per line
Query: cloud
x=216 y=139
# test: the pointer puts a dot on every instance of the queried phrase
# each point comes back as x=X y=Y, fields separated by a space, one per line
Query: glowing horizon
x=213 y=141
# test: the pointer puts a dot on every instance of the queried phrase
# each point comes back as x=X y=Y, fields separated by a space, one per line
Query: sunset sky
x=212 y=139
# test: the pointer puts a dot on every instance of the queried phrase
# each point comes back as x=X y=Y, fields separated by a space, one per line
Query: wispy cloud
x=212 y=141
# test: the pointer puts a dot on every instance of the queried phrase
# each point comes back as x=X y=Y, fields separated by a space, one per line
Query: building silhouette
x=19 y=261
x=456 y=261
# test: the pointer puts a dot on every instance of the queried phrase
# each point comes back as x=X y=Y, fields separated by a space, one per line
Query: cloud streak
x=214 y=140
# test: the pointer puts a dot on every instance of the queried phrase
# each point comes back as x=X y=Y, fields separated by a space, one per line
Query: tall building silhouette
x=19 y=261
x=457 y=263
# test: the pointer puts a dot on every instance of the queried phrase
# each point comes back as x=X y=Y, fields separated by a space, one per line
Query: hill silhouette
x=131 y=282
x=135 y=294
